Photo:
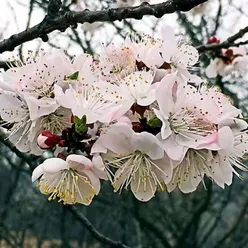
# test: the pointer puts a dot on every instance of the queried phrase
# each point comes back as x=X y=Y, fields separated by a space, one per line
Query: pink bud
x=47 y=140
x=213 y=39
x=62 y=143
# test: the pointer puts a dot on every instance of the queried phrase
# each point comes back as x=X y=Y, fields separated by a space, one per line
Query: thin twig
x=227 y=43
x=98 y=236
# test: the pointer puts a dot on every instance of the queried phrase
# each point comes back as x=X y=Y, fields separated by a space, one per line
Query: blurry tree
x=208 y=218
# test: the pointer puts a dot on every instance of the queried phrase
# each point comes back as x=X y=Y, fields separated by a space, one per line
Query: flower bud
x=47 y=140
x=213 y=39
x=62 y=143
x=228 y=52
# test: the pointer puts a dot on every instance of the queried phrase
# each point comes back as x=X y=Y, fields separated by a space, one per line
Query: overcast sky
x=14 y=16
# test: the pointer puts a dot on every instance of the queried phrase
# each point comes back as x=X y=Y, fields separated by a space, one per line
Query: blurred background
x=208 y=218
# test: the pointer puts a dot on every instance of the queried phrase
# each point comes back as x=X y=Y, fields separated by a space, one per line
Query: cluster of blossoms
x=134 y=116
x=232 y=61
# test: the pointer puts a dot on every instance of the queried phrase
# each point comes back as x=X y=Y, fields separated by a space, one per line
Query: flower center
x=187 y=122
x=55 y=122
x=46 y=90
x=193 y=167
x=136 y=166
x=66 y=185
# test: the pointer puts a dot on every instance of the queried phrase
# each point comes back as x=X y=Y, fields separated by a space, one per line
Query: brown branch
x=98 y=236
x=227 y=43
x=233 y=228
x=61 y=20
x=29 y=159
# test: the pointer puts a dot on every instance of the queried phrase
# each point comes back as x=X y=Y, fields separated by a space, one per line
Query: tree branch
x=234 y=226
x=61 y=20
x=227 y=43
x=29 y=159
x=98 y=236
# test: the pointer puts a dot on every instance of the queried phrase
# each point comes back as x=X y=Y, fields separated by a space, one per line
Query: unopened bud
x=47 y=140
x=137 y=127
x=213 y=39
x=62 y=143
x=228 y=52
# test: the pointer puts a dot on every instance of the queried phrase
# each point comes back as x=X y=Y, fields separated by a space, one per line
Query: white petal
x=147 y=144
x=235 y=124
x=35 y=149
x=164 y=170
x=211 y=70
x=83 y=63
x=165 y=129
x=165 y=95
x=99 y=167
x=54 y=165
x=118 y=139
x=170 y=43
x=141 y=192
x=174 y=150
x=37 y=172
x=79 y=162
x=226 y=170
x=195 y=79
x=20 y=141
x=95 y=182
x=225 y=138
x=61 y=98
x=85 y=193
x=98 y=147
x=40 y=107
x=11 y=105
x=191 y=52
x=215 y=172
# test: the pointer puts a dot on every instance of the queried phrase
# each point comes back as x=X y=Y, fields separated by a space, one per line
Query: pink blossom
x=233 y=62
x=35 y=79
x=188 y=118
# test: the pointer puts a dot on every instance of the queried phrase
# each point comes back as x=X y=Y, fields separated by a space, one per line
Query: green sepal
x=73 y=76
x=80 y=124
x=154 y=122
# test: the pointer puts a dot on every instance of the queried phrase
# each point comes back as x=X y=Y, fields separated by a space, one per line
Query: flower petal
x=191 y=53
x=118 y=139
x=37 y=172
x=164 y=95
x=174 y=150
x=163 y=169
x=99 y=167
x=54 y=165
x=143 y=191
x=95 y=182
x=79 y=162
x=147 y=144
